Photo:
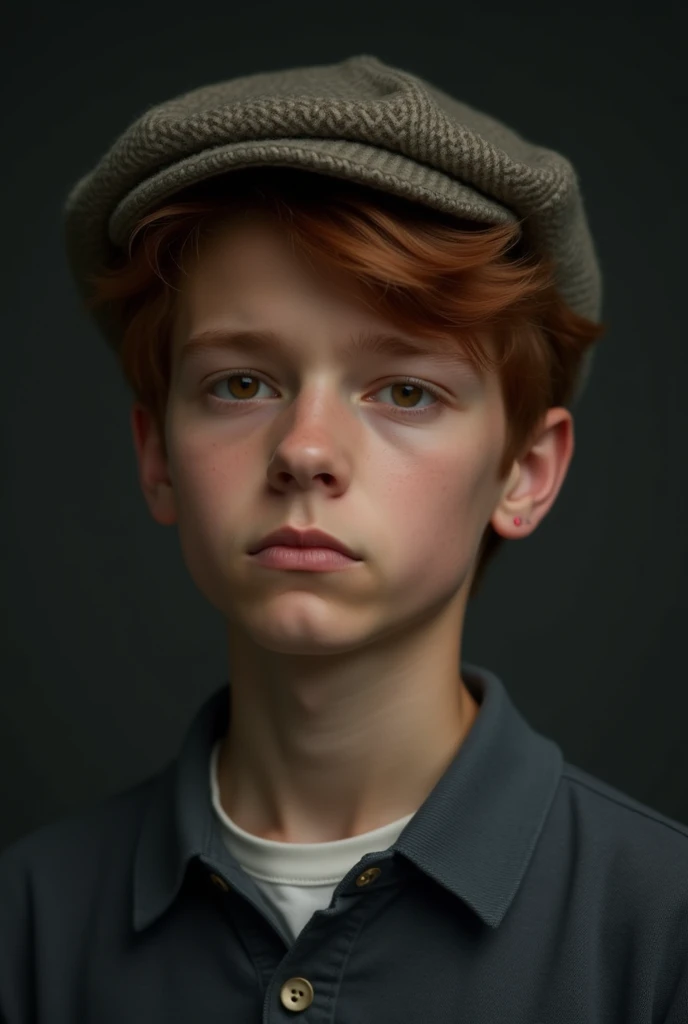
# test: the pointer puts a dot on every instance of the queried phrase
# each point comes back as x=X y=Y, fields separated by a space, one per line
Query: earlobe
x=536 y=479
x=511 y=527
x=514 y=508
x=152 y=467
x=160 y=500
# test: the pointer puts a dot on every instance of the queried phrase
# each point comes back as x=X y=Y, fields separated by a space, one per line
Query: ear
x=536 y=478
x=153 y=466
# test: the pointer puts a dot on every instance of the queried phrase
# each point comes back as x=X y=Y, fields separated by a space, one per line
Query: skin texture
x=347 y=699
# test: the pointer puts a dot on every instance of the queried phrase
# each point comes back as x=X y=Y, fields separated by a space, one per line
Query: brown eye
x=403 y=392
x=242 y=385
x=239 y=385
x=407 y=395
x=405 y=400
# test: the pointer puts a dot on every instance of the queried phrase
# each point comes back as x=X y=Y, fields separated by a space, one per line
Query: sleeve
x=674 y=1007
x=678 y=1010
x=16 y=988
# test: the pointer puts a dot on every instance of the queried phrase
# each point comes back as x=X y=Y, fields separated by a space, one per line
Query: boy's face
x=322 y=440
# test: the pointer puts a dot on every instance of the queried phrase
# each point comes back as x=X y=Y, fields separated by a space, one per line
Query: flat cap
x=360 y=120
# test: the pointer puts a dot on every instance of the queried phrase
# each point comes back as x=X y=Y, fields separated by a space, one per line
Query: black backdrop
x=108 y=647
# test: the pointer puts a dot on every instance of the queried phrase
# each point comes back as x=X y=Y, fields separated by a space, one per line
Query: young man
x=360 y=827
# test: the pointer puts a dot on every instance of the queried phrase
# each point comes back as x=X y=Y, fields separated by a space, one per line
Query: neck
x=321 y=748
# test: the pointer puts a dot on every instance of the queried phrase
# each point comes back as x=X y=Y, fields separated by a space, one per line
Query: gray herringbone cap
x=361 y=120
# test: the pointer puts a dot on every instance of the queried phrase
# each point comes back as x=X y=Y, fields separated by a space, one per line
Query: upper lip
x=302 y=539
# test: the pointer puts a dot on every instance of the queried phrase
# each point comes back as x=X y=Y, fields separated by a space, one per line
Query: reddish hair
x=424 y=270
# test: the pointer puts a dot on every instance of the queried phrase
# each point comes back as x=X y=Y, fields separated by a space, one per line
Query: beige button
x=219 y=882
x=368 y=876
x=296 y=994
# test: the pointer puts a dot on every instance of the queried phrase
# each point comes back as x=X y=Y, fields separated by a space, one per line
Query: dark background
x=108 y=647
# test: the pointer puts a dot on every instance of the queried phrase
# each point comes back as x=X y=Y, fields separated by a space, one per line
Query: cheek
x=213 y=482
x=433 y=515
x=215 y=501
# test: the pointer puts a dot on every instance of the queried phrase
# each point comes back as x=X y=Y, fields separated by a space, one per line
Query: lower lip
x=282 y=556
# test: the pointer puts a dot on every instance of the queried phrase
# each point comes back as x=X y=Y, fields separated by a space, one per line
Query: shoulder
x=80 y=839
x=615 y=814
x=634 y=854
x=50 y=880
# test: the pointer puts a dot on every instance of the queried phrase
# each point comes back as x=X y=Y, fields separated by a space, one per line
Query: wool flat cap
x=361 y=120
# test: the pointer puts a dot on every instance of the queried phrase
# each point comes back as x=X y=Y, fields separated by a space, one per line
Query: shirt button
x=368 y=876
x=219 y=882
x=296 y=994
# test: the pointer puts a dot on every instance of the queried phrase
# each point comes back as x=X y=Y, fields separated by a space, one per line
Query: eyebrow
x=444 y=350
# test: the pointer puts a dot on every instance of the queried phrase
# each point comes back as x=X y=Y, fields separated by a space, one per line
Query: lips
x=292 y=537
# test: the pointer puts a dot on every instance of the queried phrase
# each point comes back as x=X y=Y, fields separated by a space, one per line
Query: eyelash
x=399 y=380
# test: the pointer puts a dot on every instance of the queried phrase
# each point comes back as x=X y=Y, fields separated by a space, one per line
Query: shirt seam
x=655 y=816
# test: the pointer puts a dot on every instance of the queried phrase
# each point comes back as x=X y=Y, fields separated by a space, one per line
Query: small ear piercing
x=518 y=521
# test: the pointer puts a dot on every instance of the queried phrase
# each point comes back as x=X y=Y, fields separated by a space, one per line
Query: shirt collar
x=474 y=834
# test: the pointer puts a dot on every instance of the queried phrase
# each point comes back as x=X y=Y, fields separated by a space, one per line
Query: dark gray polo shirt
x=522 y=891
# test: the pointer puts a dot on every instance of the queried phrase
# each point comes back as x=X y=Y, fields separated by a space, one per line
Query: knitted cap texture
x=360 y=120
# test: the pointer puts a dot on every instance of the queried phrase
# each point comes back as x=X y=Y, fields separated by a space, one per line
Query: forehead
x=253 y=250
x=250 y=282
x=249 y=267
